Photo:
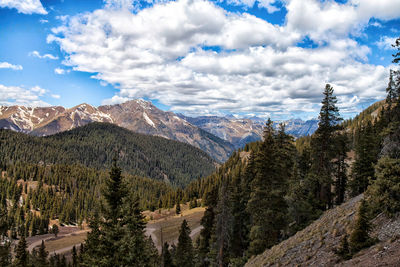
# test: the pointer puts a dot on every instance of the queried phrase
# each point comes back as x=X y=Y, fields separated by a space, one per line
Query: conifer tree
x=367 y=150
x=323 y=150
x=267 y=206
x=184 y=256
x=5 y=245
x=384 y=193
x=344 y=248
x=178 y=208
x=42 y=256
x=166 y=258
x=223 y=228
x=359 y=237
x=118 y=239
x=396 y=56
x=21 y=254
x=75 y=258
x=340 y=168
x=207 y=221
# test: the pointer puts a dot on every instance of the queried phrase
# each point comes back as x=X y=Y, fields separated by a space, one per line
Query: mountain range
x=218 y=136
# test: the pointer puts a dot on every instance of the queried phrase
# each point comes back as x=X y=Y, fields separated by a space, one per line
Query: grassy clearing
x=64 y=242
x=170 y=226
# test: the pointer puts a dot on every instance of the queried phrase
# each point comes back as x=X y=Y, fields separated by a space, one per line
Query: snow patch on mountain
x=148 y=120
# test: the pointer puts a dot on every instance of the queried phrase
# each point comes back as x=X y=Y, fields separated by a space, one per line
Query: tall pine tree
x=184 y=256
x=323 y=150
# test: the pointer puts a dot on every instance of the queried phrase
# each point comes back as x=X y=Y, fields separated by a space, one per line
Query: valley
x=199 y=133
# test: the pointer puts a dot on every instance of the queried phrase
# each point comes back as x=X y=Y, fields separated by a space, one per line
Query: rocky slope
x=316 y=244
x=136 y=115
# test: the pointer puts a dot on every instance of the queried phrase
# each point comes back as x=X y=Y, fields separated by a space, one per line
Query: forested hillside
x=95 y=145
x=273 y=189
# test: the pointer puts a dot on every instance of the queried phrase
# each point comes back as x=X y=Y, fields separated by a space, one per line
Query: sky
x=265 y=58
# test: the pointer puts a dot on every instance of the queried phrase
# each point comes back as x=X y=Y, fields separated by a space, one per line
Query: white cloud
x=322 y=20
x=37 y=89
x=119 y=4
x=38 y=55
x=43 y=21
x=158 y=53
x=6 y=65
x=61 y=71
x=15 y=95
x=55 y=96
x=24 y=6
x=267 y=4
x=386 y=42
x=115 y=100
x=376 y=24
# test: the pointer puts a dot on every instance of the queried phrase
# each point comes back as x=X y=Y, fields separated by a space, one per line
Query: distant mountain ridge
x=137 y=115
x=242 y=131
x=218 y=136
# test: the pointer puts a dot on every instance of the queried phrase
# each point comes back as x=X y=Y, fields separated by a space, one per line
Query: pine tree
x=55 y=230
x=93 y=245
x=323 y=150
x=42 y=255
x=340 y=168
x=391 y=95
x=184 y=256
x=367 y=150
x=118 y=239
x=5 y=245
x=75 y=259
x=135 y=247
x=223 y=228
x=344 y=248
x=396 y=56
x=153 y=259
x=384 y=193
x=178 y=208
x=21 y=254
x=166 y=258
x=359 y=237
x=207 y=221
x=267 y=206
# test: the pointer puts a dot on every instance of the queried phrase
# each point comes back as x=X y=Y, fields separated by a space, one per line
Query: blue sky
x=244 y=57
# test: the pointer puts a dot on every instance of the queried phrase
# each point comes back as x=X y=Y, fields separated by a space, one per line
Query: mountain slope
x=316 y=244
x=136 y=115
x=94 y=145
x=239 y=132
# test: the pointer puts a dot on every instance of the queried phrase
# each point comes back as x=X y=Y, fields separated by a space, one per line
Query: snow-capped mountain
x=236 y=131
x=242 y=131
x=218 y=136
x=136 y=115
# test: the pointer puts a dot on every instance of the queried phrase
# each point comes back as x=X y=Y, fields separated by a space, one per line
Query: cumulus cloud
x=323 y=20
x=24 y=6
x=386 y=42
x=15 y=95
x=267 y=4
x=55 y=96
x=6 y=65
x=162 y=52
x=45 y=56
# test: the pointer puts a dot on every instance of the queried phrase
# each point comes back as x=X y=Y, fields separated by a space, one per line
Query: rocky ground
x=316 y=244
